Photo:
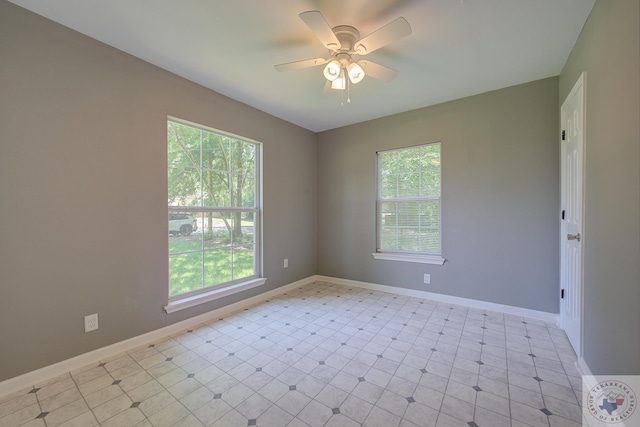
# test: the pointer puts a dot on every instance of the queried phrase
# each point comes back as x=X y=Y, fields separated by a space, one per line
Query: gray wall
x=609 y=51
x=83 y=219
x=500 y=197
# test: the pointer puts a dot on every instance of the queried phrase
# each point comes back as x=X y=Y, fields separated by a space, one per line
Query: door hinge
x=563 y=135
x=563 y=214
x=562 y=294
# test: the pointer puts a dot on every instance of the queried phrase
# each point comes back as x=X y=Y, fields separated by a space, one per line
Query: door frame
x=580 y=85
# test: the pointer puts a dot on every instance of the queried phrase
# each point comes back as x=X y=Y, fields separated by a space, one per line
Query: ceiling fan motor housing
x=348 y=36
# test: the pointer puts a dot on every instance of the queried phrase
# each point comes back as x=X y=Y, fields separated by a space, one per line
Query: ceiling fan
x=345 y=46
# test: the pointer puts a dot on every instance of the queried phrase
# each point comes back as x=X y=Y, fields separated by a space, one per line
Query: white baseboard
x=43 y=374
x=483 y=305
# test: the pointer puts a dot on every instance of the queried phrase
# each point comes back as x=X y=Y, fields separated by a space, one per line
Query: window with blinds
x=408 y=202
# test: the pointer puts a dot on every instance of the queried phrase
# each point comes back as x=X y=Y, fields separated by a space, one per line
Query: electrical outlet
x=91 y=322
x=286 y=263
x=427 y=278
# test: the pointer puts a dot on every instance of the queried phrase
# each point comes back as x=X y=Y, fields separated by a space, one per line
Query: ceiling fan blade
x=377 y=71
x=316 y=23
x=391 y=32
x=296 y=65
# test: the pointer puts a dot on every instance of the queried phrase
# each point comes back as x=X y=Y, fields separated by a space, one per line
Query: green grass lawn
x=218 y=263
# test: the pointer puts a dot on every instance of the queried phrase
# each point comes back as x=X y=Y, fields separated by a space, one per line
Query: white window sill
x=212 y=295
x=422 y=259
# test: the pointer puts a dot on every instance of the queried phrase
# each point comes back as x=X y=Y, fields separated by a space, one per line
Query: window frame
x=423 y=257
x=216 y=291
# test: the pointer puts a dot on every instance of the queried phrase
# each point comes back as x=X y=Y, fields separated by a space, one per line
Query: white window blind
x=408 y=203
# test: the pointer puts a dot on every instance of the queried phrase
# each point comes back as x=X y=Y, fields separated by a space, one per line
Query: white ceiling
x=457 y=48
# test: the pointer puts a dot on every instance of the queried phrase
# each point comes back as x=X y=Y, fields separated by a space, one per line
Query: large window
x=408 y=204
x=214 y=211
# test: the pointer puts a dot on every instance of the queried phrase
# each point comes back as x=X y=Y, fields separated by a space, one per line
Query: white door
x=571 y=200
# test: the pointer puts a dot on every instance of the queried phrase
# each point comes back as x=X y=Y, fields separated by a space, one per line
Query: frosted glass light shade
x=332 y=70
x=356 y=73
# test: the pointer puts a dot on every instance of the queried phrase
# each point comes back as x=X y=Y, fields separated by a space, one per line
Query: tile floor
x=325 y=355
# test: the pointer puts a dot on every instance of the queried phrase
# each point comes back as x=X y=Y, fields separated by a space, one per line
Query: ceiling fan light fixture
x=356 y=73
x=339 y=83
x=332 y=70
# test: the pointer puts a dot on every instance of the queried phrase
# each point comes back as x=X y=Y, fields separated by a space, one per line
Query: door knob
x=573 y=237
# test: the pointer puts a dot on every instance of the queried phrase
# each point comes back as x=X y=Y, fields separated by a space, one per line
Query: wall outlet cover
x=91 y=322
x=427 y=278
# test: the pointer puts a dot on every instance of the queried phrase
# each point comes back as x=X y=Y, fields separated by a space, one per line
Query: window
x=214 y=214
x=408 y=204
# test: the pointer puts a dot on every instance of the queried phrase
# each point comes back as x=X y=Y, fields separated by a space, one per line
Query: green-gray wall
x=609 y=51
x=500 y=197
x=83 y=191
x=83 y=220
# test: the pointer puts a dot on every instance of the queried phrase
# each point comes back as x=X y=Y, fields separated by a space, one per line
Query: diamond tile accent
x=168 y=359
x=256 y=382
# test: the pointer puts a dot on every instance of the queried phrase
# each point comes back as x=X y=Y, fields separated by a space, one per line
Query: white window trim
x=422 y=259
x=190 y=299
x=212 y=295
x=435 y=259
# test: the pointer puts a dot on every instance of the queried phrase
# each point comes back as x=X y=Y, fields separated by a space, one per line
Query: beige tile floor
x=325 y=355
